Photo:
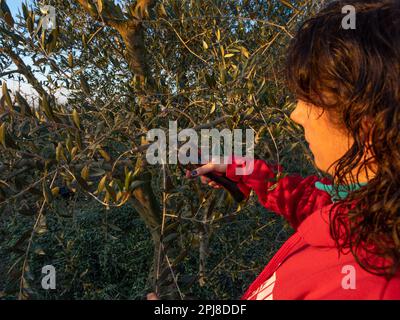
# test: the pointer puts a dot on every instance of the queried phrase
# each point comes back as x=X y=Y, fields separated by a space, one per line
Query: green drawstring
x=343 y=189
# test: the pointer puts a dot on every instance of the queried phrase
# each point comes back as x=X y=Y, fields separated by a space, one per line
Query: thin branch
x=184 y=43
x=24 y=70
x=21 y=284
x=4 y=74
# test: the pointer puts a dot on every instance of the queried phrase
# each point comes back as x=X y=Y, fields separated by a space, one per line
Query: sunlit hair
x=354 y=75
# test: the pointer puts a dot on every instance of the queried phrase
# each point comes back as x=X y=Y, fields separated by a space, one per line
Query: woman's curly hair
x=354 y=75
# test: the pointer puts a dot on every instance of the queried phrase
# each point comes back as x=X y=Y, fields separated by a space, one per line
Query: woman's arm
x=291 y=196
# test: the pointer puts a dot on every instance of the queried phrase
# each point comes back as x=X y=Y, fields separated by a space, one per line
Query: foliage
x=106 y=254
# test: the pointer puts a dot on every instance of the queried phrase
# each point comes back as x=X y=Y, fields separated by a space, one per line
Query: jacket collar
x=315 y=228
x=343 y=190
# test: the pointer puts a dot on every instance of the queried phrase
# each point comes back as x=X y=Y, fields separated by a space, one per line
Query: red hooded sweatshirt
x=308 y=265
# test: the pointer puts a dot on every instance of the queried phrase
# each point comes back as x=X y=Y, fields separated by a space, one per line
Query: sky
x=15 y=7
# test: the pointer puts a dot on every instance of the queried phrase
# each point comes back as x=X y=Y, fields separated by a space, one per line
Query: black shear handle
x=225 y=182
x=228 y=184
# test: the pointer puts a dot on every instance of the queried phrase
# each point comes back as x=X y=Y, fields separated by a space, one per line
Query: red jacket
x=308 y=265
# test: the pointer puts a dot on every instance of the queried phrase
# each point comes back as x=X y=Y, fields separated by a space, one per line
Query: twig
x=21 y=283
x=184 y=43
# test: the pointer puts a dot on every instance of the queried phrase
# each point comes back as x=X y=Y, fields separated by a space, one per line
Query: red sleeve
x=292 y=196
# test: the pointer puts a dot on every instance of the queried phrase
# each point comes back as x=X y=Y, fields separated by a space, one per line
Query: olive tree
x=126 y=67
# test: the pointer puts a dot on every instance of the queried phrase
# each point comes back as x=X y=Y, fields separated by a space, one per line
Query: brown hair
x=354 y=74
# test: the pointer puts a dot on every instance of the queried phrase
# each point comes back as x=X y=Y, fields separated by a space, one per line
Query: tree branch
x=24 y=70
x=8 y=73
x=132 y=34
x=104 y=17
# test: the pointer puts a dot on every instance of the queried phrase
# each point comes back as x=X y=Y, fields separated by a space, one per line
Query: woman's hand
x=200 y=171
